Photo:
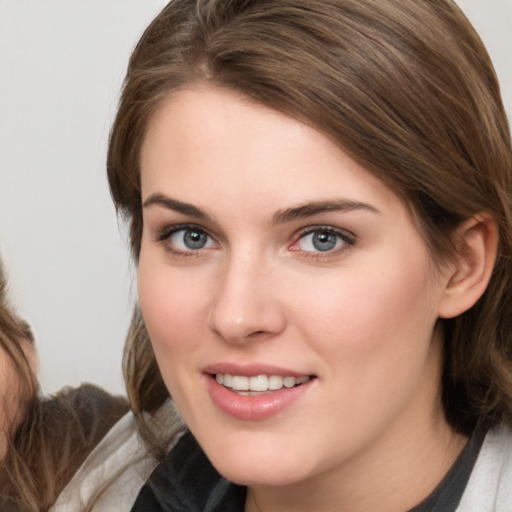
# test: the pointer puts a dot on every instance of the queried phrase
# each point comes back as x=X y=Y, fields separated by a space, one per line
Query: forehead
x=214 y=137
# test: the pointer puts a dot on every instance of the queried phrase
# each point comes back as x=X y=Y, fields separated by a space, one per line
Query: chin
x=243 y=468
x=260 y=477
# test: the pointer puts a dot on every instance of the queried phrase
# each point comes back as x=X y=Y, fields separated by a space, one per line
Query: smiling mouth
x=259 y=384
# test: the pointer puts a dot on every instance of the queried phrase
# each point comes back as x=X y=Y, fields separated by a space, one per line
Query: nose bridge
x=245 y=303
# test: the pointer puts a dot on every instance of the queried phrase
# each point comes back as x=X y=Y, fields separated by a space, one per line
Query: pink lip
x=251 y=370
x=254 y=407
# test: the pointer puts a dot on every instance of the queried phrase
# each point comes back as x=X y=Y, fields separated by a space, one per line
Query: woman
x=43 y=441
x=318 y=196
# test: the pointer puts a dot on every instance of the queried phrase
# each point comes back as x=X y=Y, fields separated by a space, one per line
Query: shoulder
x=490 y=486
x=113 y=473
x=89 y=409
x=118 y=462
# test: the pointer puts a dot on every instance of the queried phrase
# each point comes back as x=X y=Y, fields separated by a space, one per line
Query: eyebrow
x=175 y=205
x=314 y=208
x=301 y=211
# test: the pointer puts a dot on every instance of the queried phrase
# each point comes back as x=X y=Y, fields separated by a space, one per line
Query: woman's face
x=290 y=300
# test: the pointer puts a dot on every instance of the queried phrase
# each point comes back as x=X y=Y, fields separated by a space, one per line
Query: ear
x=469 y=272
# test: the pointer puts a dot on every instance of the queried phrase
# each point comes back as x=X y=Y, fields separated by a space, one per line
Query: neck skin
x=393 y=473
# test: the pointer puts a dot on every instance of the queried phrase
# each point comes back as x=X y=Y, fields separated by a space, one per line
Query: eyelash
x=347 y=240
x=166 y=234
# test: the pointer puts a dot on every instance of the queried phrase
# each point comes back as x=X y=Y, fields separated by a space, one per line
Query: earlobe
x=476 y=245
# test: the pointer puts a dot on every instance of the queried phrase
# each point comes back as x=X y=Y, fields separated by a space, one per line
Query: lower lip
x=254 y=407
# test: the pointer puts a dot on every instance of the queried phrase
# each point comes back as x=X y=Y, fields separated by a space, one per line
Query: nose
x=246 y=306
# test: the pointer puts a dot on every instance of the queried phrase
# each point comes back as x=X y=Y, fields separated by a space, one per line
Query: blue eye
x=190 y=239
x=323 y=240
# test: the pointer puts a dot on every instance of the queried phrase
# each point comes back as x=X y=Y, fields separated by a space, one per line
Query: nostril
x=255 y=334
x=252 y=320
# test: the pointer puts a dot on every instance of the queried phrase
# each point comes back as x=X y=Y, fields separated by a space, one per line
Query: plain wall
x=61 y=67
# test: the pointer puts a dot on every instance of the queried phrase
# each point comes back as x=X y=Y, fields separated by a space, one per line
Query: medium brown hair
x=404 y=87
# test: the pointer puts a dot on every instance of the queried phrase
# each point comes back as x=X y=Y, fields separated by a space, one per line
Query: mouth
x=256 y=392
x=259 y=384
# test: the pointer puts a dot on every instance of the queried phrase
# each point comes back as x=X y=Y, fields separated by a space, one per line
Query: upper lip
x=252 y=370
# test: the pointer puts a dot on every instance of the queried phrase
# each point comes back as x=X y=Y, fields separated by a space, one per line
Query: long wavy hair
x=47 y=439
x=404 y=87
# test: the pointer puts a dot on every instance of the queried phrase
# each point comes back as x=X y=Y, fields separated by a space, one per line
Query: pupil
x=194 y=239
x=324 y=241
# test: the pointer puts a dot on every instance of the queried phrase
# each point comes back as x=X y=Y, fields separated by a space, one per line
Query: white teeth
x=289 y=382
x=275 y=382
x=259 y=382
x=240 y=383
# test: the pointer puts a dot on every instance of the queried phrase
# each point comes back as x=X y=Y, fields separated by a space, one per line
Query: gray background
x=61 y=67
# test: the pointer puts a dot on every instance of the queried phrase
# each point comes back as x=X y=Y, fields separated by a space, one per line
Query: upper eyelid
x=168 y=230
x=325 y=227
x=348 y=238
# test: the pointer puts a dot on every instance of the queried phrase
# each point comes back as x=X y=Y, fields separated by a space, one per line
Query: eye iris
x=194 y=239
x=324 y=241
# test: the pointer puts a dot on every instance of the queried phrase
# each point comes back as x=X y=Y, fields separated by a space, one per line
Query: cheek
x=172 y=304
x=12 y=392
x=379 y=317
x=165 y=316
x=374 y=333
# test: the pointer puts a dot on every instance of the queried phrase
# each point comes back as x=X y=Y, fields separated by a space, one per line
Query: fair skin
x=268 y=253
